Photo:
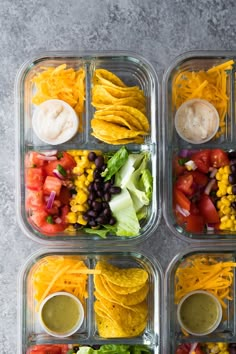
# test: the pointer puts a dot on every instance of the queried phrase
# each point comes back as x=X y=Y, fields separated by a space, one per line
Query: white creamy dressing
x=197 y=121
x=55 y=122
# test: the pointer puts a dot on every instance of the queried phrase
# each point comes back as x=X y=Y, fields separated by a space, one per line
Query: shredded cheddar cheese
x=205 y=274
x=210 y=85
x=60 y=273
x=63 y=84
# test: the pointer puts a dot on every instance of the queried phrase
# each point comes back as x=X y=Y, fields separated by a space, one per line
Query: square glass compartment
x=133 y=70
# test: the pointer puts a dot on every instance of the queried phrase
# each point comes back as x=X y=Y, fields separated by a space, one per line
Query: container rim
x=89 y=55
x=44 y=250
x=208 y=54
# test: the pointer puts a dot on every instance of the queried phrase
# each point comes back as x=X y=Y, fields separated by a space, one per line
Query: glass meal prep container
x=134 y=71
x=191 y=263
x=33 y=275
x=184 y=82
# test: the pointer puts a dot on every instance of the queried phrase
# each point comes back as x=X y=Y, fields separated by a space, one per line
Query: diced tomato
x=194 y=210
x=202 y=160
x=194 y=223
x=64 y=212
x=178 y=169
x=181 y=199
x=66 y=161
x=64 y=195
x=208 y=210
x=48 y=349
x=186 y=347
x=52 y=184
x=39 y=217
x=34 y=200
x=199 y=178
x=184 y=184
x=219 y=158
x=34 y=178
x=32 y=160
x=52 y=228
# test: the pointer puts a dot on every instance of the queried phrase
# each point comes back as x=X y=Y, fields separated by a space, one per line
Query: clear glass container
x=30 y=333
x=194 y=62
x=131 y=68
x=225 y=332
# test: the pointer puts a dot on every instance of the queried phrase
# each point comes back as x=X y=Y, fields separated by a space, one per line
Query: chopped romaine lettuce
x=115 y=163
x=122 y=208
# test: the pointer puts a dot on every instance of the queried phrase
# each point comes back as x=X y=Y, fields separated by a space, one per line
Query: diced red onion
x=58 y=220
x=51 y=200
x=209 y=186
x=213 y=172
x=58 y=174
x=209 y=228
x=182 y=211
x=49 y=153
x=193 y=347
x=46 y=158
x=184 y=153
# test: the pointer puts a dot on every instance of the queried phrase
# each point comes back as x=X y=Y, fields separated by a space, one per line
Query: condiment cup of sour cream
x=199 y=313
x=55 y=122
x=61 y=314
x=197 y=121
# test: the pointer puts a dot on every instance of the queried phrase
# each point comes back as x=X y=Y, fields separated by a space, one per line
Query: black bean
x=232 y=178
x=233 y=205
x=112 y=180
x=115 y=190
x=89 y=201
x=232 y=155
x=77 y=226
x=101 y=220
x=233 y=168
x=91 y=187
x=96 y=174
x=86 y=217
x=100 y=193
x=103 y=167
x=107 y=197
x=99 y=162
x=92 y=213
x=112 y=221
x=98 y=186
x=106 y=212
x=105 y=205
x=92 y=195
x=234 y=189
x=107 y=186
x=97 y=205
x=92 y=156
x=92 y=222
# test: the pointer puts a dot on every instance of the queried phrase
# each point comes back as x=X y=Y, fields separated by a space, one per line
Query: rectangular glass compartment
x=133 y=70
x=195 y=62
x=226 y=331
x=30 y=331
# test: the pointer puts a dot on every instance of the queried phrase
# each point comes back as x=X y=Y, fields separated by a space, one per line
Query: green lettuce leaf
x=115 y=163
x=122 y=208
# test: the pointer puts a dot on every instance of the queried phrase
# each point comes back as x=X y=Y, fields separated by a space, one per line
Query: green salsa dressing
x=199 y=313
x=60 y=314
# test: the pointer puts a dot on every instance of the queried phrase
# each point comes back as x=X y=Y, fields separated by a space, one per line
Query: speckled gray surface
x=158 y=30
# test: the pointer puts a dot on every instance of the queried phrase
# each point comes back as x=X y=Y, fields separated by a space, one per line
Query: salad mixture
x=206 y=348
x=204 y=190
x=100 y=192
x=120 y=293
x=77 y=349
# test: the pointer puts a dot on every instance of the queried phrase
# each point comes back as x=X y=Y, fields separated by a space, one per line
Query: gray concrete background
x=158 y=30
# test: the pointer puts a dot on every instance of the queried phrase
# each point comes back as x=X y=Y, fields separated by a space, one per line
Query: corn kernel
x=81 y=220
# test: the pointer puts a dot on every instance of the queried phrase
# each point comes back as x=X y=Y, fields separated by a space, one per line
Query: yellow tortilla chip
x=128 y=299
x=117 y=92
x=113 y=130
x=125 y=277
x=116 y=120
x=108 y=329
x=128 y=117
x=105 y=139
x=108 y=76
